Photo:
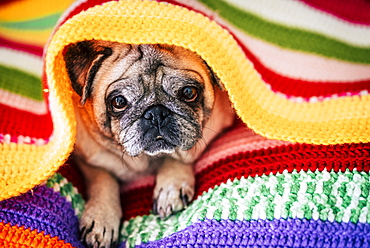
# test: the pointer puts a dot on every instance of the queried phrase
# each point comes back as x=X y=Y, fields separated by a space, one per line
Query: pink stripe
x=304 y=66
x=239 y=139
x=353 y=80
x=143 y=182
x=356 y=11
x=20 y=102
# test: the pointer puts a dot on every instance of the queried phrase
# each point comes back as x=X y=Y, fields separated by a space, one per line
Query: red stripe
x=356 y=11
x=83 y=7
x=91 y=3
x=288 y=86
x=17 y=122
x=301 y=157
x=137 y=202
x=295 y=87
x=302 y=88
x=36 y=50
x=86 y=5
x=4 y=2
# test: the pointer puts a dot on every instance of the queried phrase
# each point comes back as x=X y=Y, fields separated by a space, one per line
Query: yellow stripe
x=30 y=9
x=336 y=121
x=36 y=38
x=25 y=166
x=342 y=120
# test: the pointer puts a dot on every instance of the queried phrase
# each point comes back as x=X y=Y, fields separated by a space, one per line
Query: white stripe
x=27 y=62
x=7 y=139
x=299 y=15
x=364 y=212
x=304 y=66
x=289 y=63
x=23 y=103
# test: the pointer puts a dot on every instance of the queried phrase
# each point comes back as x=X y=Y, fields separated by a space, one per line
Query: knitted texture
x=282 y=86
x=256 y=192
x=43 y=217
x=250 y=191
x=297 y=77
x=297 y=73
x=35 y=133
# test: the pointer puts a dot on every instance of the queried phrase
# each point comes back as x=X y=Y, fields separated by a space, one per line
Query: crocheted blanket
x=292 y=172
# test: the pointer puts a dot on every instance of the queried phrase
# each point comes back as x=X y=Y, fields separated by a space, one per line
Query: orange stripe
x=32 y=9
x=12 y=236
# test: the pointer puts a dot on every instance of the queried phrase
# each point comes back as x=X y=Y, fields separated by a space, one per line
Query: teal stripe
x=20 y=82
x=44 y=23
x=292 y=38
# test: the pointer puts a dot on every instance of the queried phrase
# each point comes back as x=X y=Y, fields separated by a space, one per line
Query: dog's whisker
x=204 y=141
x=206 y=152
x=215 y=132
x=152 y=117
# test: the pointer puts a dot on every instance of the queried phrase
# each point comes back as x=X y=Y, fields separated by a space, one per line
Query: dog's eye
x=189 y=93
x=119 y=102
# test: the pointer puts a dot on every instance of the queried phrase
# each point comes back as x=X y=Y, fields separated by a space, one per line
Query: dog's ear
x=215 y=80
x=83 y=60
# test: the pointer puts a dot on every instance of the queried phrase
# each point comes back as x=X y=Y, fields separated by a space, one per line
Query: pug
x=140 y=109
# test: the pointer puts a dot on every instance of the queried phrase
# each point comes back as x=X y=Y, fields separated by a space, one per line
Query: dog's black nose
x=156 y=114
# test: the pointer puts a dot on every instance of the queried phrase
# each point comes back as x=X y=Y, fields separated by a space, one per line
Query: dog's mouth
x=160 y=141
x=158 y=146
x=153 y=142
x=160 y=132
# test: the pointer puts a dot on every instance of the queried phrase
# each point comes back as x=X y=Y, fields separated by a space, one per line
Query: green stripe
x=66 y=189
x=292 y=38
x=44 y=23
x=20 y=82
x=329 y=196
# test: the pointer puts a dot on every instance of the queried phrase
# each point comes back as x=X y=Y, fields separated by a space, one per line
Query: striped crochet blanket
x=292 y=172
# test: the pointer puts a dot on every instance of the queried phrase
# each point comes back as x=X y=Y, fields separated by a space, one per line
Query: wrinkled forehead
x=154 y=55
x=151 y=59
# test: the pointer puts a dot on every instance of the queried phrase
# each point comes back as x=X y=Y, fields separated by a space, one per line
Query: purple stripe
x=43 y=210
x=264 y=233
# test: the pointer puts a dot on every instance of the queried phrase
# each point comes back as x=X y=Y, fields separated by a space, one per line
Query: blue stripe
x=276 y=233
x=43 y=210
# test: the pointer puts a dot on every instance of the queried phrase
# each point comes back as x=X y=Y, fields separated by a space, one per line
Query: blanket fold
x=293 y=171
x=293 y=78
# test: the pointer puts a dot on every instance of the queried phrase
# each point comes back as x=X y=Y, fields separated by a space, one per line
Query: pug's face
x=151 y=99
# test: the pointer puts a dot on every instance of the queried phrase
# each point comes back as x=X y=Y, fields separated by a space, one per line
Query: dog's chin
x=159 y=147
x=155 y=148
x=154 y=143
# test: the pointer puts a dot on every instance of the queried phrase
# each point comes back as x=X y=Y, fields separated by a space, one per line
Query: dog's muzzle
x=160 y=130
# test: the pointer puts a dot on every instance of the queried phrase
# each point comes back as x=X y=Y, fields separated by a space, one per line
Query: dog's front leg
x=174 y=188
x=101 y=218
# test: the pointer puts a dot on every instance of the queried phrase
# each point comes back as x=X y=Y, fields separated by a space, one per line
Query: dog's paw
x=171 y=198
x=99 y=228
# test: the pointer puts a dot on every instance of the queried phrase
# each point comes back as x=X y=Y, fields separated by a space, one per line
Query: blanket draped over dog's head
x=294 y=77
